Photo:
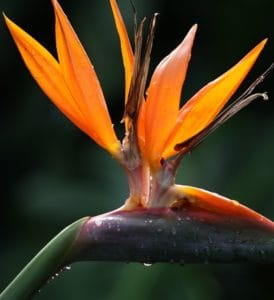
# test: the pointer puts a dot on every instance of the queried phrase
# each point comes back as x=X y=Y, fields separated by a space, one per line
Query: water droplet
x=188 y=218
x=210 y=241
x=173 y=230
x=98 y=222
x=147 y=264
x=52 y=277
x=252 y=249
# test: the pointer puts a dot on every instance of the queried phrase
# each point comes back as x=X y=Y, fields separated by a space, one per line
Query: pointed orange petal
x=204 y=106
x=127 y=53
x=164 y=95
x=222 y=205
x=83 y=83
x=46 y=71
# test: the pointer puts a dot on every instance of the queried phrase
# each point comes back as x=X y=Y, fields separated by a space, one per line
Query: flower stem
x=184 y=236
x=44 y=265
x=187 y=235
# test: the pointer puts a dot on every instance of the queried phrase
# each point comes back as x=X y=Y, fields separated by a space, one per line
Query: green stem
x=46 y=263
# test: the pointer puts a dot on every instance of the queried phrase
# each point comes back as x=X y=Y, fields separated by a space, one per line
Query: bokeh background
x=52 y=174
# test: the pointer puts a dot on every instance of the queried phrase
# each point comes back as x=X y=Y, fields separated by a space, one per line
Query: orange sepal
x=163 y=98
x=220 y=205
x=83 y=83
x=204 y=106
x=47 y=73
x=127 y=53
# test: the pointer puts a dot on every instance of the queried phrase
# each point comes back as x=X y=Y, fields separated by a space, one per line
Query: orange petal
x=219 y=204
x=204 y=106
x=127 y=53
x=83 y=83
x=46 y=71
x=141 y=129
x=164 y=95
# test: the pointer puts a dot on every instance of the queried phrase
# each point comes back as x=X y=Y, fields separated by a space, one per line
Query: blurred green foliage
x=52 y=174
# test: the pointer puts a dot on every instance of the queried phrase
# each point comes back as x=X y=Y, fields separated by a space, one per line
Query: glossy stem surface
x=188 y=235
x=165 y=235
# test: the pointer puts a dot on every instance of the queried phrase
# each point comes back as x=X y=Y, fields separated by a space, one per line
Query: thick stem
x=164 y=235
x=148 y=236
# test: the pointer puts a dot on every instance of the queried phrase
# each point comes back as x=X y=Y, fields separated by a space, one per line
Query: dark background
x=52 y=174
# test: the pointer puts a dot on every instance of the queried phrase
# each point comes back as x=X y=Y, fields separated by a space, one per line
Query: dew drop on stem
x=147 y=264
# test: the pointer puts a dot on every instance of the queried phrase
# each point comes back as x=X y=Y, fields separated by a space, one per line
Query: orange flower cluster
x=160 y=125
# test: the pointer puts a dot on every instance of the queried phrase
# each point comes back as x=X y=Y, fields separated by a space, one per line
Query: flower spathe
x=71 y=83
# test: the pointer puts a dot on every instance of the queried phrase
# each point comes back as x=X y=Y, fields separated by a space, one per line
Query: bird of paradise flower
x=158 y=132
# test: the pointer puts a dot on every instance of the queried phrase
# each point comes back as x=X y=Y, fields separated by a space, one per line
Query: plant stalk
x=184 y=236
x=49 y=261
x=188 y=235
